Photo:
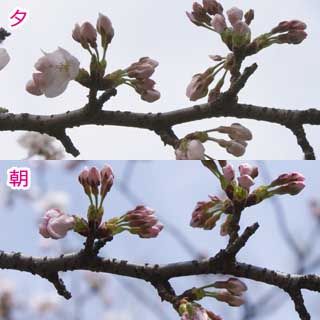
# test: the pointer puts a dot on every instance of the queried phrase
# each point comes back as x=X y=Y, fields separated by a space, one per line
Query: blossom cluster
x=96 y=185
x=238 y=38
x=55 y=70
x=207 y=213
x=192 y=148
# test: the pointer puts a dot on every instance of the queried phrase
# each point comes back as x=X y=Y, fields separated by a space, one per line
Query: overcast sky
x=172 y=189
x=287 y=75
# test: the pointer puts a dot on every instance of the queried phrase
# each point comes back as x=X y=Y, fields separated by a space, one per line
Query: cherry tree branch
x=162 y=123
x=223 y=262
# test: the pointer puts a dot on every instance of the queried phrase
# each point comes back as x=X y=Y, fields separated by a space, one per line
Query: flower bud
x=293 y=188
x=55 y=224
x=219 y=23
x=151 y=232
x=287 y=26
x=212 y=7
x=241 y=28
x=143 y=69
x=199 y=86
x=234 y=15
x=105 y=29
x=107 y=178
x=249 y=17
x=203 y=215
x=237 y=148
x=88 y=34
x=233 y=301
x=292 y=37
x=287 y=178
x=199 y=15
x=247 y=169
x=228 y=172
x=94 y=180
x=245 y=181
x=76 y=33
x=240 y=133
x=146 y=89
x=143 y=222
x=83 y=179
x=233 y=285
x=236 y=132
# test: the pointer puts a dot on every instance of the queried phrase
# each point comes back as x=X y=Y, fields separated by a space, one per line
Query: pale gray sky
x=287 y=75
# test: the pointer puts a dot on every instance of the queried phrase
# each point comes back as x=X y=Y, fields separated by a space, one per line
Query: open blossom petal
x=55 y=224
x=56 y=70
x=4 y=58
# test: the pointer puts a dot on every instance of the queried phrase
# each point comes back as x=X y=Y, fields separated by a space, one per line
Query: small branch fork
x=162 y=123
x=224 y=262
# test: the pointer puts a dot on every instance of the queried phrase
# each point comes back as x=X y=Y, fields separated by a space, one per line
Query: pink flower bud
x=203 y=213
x=55 y=224
x=199 y=86
x=234 y=15
x=241 y=28
x=219 y=23
x=212 y=7
x=236 y=132
x=105 y=29
x=76 y=33
x=293 y=188
x=237 y=148
x=146 y=89
x=107 y=178
x=287 y=178
x=151 y=232
x=247 y=169
x=143 y=69
x=292 y=37
x=193 y=18
x=286 y=26
x=143 y=222
x=228 y=172
x=83 y=179
x=233 y=301
x=88 y=34
x=240 y=133
x=233 y=285
x=94 y=180
x=245 y=181
x=83 y=176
